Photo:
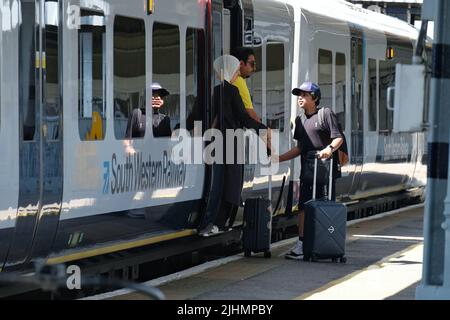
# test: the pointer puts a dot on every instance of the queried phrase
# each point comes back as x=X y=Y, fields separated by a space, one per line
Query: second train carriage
x=72 y=71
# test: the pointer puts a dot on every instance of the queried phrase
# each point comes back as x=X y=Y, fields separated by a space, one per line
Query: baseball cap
x=156 y=87
x=310 y=87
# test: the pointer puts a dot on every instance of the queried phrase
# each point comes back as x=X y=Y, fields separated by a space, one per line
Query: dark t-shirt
x=311 y=136
x=161 y=125
x=136 y=125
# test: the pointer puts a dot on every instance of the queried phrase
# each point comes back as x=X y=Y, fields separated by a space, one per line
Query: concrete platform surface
x=384 y=263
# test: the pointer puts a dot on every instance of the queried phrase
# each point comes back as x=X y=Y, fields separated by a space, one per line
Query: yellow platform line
x=119 y=247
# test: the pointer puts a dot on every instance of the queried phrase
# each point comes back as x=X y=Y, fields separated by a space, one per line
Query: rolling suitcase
x=257 y=231
x=325 y=226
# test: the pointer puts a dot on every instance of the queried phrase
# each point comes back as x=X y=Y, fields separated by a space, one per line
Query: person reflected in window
x=161 y=122
x=136 y=124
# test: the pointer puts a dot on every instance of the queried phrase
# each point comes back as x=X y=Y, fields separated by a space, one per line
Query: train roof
x=346 y=11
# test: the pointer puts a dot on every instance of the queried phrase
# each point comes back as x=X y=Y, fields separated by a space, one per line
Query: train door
x=40 y=141
x=357 y=104
x=237 y=32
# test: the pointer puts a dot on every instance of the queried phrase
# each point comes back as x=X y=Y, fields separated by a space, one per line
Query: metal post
x=436 y=268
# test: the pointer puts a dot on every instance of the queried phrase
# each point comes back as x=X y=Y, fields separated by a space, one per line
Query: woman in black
x=233 y=116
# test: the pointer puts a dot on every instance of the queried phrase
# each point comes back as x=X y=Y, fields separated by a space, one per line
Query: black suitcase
x=257 y=231
x=325 y=227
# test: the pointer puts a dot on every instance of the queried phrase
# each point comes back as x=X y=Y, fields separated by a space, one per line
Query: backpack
x=343 y=150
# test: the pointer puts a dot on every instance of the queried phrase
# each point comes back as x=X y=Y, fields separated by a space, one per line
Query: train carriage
x=74 y=186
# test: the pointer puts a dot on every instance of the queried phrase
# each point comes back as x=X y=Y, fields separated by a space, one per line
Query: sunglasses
x=252 y=63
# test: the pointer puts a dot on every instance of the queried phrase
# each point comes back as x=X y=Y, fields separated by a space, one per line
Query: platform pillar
x=435 y=283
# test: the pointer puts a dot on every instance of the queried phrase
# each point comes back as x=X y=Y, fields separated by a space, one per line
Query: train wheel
x=343 y=260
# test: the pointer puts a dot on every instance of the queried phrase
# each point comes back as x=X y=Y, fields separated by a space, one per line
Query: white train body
x=71 y=72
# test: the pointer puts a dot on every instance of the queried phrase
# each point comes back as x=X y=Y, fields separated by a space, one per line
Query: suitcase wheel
x=343 y=260
x=267 y=254
x=334 y=260
x=247 y=253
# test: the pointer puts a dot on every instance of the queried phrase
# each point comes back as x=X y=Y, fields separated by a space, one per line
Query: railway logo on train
x=139 y=173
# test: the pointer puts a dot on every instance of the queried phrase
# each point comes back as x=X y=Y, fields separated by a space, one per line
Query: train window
x=166 y=71
x=341 y=77
x=27 y=85
x=255 y=83
x=129 y=78
x=326 y=77
x=195 y=76
x=373 y=95
x=52 y=108
x=401 y=52
x=387 y=79
x=91 y=76
x=275 y=86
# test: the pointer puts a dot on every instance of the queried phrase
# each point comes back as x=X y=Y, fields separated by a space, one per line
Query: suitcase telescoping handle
x=316 y=163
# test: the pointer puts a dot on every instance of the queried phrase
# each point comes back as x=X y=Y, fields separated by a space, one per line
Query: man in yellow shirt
x=246 y=57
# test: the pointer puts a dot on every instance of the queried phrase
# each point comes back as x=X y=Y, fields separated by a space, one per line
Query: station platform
x=384 y=255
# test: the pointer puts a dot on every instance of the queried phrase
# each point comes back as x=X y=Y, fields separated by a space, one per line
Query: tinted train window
x=27 y=58
x=326 y=77
x=129 y=78
x=373 y=95
x=52 y=108
x=341 y=95
x=166 y=69
x=91 y=76
x=275 y=86
x=195 y=76
x=387 y=79
x=255 y=83
x=399 y=51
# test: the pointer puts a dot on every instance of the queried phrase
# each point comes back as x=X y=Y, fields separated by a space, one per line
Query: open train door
x=40 y=134
x=238 y=27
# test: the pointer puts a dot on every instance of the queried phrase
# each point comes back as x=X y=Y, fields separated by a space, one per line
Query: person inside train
x=313 y=139
x=247 y=67
x=136 y=124
x=234 y=117
x=161 y=122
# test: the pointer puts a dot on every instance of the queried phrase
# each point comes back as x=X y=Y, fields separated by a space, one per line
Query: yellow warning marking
x=119 y=247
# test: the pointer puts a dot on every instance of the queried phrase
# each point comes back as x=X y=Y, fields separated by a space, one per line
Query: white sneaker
x=210 y=230
x=296 y=252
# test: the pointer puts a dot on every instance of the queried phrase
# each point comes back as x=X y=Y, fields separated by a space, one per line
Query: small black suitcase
x=325 y=226
x=256 y=237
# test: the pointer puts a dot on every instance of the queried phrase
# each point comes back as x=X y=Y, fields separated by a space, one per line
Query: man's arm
x=246 y=98
x=330 y=149
x=253 y=115
x=291 y=154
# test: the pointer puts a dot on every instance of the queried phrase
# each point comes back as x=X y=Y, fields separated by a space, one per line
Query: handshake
x=275 y=159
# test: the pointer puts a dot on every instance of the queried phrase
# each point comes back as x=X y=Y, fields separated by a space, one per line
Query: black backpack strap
x=302 y=118
x=321 y=115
